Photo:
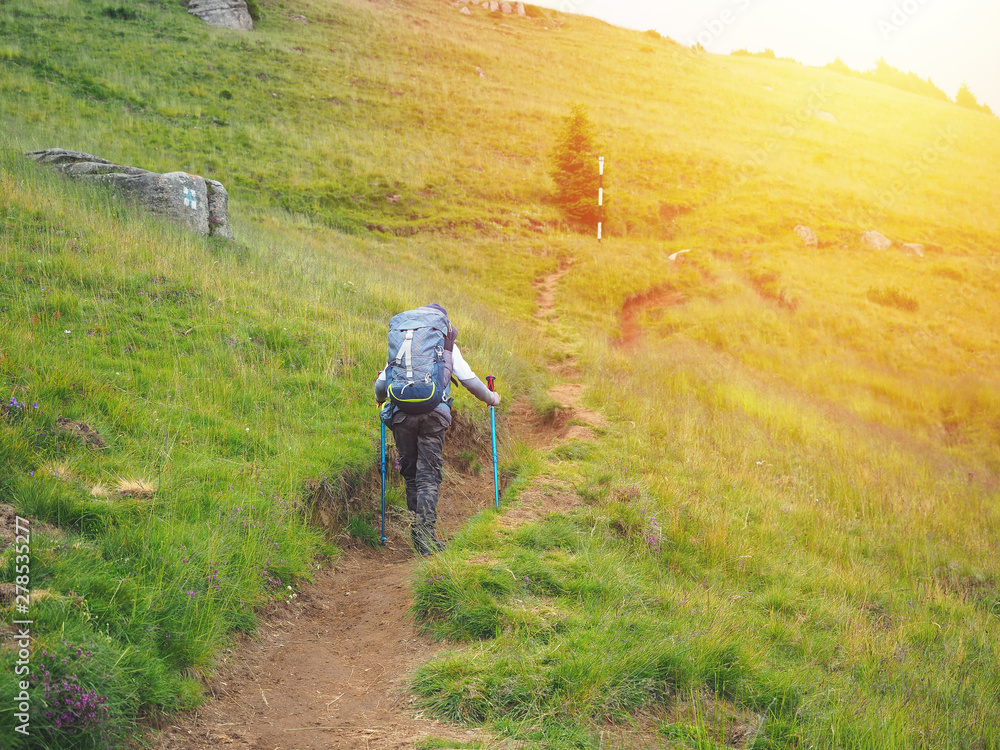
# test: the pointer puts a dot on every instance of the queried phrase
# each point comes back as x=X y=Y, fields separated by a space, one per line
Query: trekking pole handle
x=489 y=381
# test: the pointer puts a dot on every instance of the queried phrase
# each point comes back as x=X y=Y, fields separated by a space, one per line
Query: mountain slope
x=790 y=516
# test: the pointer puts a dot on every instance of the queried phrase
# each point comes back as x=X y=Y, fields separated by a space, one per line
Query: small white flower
x=67 y=332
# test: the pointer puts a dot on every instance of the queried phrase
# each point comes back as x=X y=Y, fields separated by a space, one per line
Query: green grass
x=788 y=526
x=215 y=385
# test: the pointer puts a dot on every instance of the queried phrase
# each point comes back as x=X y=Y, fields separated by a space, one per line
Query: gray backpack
x=418 y=370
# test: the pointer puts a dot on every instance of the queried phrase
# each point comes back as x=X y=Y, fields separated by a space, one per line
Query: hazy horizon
x=949 y=43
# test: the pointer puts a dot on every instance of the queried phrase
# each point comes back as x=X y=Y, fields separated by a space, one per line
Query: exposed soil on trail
x=546 y=287
x=326 y=670
x=329 y=668
x=634 y=306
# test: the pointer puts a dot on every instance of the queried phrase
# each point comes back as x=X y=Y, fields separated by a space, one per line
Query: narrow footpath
x=329 y=668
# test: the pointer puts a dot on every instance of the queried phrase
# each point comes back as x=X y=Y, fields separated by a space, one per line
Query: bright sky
x=948 y=41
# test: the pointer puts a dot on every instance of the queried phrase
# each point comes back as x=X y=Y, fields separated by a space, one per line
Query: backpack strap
x=405 y=350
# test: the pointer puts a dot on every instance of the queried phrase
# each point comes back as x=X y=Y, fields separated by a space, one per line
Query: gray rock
x=520 y=10
x=808 y=235
x=218 y=210
x=505 y=7
x=63 y=156
x=494 y=6
x=91 y=169
x=177 y=195
x=913 y=248
x=226 y=14
x=199 y=204
x=876 y=240
x=465 y=11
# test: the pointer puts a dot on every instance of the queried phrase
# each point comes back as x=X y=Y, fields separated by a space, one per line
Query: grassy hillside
x=788 y=531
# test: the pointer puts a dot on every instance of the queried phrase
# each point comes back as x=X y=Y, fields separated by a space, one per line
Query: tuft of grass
x=119 y=12
x=136 y=488
x=363 y=530
x=893 y=297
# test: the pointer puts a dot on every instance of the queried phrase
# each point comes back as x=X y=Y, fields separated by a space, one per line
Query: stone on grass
x=226 y=14
x=808 y=235
x=876 y=240
x=200 y=204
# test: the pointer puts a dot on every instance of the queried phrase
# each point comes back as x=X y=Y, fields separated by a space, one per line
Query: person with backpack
x=414 y=390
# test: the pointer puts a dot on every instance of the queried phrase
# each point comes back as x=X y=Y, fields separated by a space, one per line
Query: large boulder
x=199 y=204
x=226 y=14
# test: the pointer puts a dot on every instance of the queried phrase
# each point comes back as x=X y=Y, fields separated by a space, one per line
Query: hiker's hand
x=497 y=401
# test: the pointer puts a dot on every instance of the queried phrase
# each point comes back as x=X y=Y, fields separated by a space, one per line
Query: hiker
x=414 y=390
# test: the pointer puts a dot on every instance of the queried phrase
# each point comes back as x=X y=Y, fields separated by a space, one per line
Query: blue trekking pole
x=493 y=430
x=382 y=538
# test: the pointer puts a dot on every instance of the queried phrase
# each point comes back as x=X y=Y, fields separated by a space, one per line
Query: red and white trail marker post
x=600 y=196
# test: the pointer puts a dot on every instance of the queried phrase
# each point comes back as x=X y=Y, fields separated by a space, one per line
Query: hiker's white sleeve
x=459 y=367
x=464 y=374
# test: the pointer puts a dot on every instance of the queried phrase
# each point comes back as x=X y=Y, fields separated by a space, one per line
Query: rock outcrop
x=226 y=14
x=808 y=235
x=200 y=204
x=876 y=240
x=496 y=6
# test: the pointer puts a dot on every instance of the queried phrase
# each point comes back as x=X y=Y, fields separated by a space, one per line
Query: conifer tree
x=574 y=167
x=965 y=97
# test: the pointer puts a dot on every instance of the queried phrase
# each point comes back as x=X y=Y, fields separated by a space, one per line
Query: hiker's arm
x=381 y=388
x=464 y=374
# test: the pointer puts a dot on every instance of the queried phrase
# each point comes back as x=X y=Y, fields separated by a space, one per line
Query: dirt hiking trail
x=329 y=668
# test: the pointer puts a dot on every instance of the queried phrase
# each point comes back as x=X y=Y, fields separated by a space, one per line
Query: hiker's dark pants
x=420 y=444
